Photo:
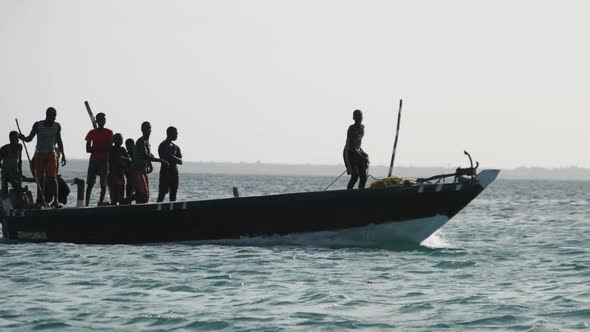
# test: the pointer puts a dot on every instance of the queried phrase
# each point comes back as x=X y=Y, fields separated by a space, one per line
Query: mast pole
x=399 y=114
x=32 y=167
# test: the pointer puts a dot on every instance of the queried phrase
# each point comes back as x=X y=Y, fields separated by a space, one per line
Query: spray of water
x=373 y=236
x=438 y=241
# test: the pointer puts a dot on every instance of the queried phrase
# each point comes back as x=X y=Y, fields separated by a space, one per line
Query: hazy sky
x=277 y=81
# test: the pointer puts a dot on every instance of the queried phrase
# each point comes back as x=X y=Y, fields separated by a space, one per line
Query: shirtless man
x=118 y=162
x=355 y=159
x=12 y=164
x=169 y=173
x=129 y=191
x=142 y=164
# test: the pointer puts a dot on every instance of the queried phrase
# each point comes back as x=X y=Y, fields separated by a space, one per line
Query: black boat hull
x=418 y=211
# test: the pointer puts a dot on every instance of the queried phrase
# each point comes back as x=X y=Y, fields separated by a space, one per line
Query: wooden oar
x=399 y=114
x=31 y=164
x=90 y=114
x=339 y=176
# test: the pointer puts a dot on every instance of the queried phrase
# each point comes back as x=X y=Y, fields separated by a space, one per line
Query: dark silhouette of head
x=50 y=114
x=13 y=137
x=118 y=139
x=357 y=116
x=129 y=145
x=172 y=133
x=146 y=129
x=101 y=120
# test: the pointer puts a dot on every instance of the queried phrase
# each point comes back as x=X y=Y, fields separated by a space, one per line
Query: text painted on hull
x=32 y=236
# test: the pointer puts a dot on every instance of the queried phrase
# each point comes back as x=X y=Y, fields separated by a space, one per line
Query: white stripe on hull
x=487 y=176
x=414 y=230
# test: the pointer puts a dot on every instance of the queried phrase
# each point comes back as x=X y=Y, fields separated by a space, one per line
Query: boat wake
x=372 y=236
x=438 y=241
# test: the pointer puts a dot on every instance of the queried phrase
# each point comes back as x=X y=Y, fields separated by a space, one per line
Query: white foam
x=382 y=235
x=437 y=241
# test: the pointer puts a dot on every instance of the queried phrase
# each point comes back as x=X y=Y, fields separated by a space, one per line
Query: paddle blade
x=91 y=115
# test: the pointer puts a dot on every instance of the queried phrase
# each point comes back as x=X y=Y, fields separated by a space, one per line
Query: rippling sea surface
x=517 y=258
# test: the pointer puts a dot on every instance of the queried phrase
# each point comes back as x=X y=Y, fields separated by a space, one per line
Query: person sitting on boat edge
x=141 y=165
x=355 y=159
x=98 y=144
x=169 y=173
x=48 y=134
x=129 y=191
x=63 y=189
x=12 y=164
x=118 y=162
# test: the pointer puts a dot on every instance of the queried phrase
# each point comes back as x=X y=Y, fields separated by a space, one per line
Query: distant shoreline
x=521 y=173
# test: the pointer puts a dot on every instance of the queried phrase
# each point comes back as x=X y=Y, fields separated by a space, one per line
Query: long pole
x=339 y=176
x=92 y=118
x=399 y=115
x=31 y=164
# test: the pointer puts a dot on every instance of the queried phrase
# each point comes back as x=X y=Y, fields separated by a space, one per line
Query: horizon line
x=379 y=165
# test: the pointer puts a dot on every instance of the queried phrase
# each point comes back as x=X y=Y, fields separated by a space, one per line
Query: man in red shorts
x=142 y=164
x=48 y=133
x=118 y=162
x=98 y=144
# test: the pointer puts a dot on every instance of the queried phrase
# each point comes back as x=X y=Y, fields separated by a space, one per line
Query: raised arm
x=31 y=135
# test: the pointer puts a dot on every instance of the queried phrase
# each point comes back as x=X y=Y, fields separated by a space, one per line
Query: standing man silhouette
x=129 y=191
x=12 y=164
x=98 y=144
x=118 y=162
x=169 y=173
x=141 y=164
x=355 y=159
x=48 y=133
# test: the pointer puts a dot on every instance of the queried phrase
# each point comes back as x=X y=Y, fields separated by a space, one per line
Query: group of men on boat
x=124 y=169
x=114 y=164
x=121 y=169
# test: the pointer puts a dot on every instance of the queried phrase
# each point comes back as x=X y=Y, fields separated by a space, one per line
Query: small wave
x=372 y=236
x=580 y=313
x=438 y=241
x=168 y=320
x=52 y=324
x=455 y=264
x=207 y=325
x=492 y=321
x=416 y=307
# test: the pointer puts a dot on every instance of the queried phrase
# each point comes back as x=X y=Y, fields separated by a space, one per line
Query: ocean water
x=516 y=259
